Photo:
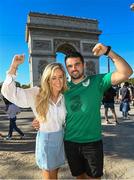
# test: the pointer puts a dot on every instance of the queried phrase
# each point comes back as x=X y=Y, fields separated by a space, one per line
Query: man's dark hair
x=74 y=54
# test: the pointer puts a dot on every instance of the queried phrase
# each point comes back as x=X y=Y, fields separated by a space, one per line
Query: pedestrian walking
x=1 y=135
x=125 y=96
x=12 y=112
x=108 y=102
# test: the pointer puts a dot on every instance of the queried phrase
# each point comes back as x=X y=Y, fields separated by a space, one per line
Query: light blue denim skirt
x=50 y=150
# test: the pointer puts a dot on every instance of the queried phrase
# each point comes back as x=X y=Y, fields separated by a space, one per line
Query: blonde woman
x=47 y=103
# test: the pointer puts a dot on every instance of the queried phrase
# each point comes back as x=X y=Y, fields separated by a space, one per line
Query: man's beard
x=77 y=76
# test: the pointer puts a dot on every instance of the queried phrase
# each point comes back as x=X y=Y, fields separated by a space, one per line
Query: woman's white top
x=25 y=98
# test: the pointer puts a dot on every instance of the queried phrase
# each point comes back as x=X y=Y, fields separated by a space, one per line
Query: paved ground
x=17 y=156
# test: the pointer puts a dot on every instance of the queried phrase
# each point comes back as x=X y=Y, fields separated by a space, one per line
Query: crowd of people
x=67 y=114
x=122 y=95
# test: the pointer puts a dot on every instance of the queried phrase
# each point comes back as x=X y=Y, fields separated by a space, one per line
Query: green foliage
x=18 y=84
x=131 y=80
x=25 y=86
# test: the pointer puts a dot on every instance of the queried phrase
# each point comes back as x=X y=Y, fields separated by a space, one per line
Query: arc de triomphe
x=47 y=34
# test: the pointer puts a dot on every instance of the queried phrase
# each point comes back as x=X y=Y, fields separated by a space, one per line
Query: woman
x=47 y=103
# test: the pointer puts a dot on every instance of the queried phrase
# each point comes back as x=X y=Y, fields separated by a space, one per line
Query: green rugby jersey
x=83 y=101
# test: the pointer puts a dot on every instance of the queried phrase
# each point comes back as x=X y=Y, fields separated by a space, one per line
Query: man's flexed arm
x=123 y=70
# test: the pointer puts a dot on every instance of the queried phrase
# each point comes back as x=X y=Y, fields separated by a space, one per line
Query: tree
x=25 y=86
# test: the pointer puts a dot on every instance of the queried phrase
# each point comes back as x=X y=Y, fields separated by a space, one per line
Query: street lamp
x=132 y=6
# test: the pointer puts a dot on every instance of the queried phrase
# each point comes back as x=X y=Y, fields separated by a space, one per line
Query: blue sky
x=116 y=21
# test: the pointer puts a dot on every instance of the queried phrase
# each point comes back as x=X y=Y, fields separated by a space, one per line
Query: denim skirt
x=49 y=150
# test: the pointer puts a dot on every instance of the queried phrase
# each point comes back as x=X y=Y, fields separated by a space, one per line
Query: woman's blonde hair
x=43 y=97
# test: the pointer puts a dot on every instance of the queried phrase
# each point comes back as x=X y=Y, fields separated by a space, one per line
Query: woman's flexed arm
x=19 y=96
x=17 y=60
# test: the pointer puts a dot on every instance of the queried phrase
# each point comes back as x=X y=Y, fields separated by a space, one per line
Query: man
x=108 y=102
x=83 y=144
x=125 y=96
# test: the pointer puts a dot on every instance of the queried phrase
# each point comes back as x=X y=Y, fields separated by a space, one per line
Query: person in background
x=108 y=102
x=47 y=103
x=132 y=94
x=125 y=97
x=6 y=102
x=12 y=112
x=1 y=135
x=83 y=139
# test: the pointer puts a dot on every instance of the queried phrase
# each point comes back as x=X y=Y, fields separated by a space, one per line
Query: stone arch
x=47 y=34
x=65 y=48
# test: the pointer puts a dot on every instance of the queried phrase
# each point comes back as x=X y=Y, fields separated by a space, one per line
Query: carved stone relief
x=90 y=68
x=41 y=66
x=42 y=45
x=87 y=47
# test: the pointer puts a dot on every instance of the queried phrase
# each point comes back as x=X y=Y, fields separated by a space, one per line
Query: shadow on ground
x=119 y=140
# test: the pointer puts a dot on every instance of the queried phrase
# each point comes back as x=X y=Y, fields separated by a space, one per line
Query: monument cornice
x=61 y=23
x=59 y=28
x=64 y=28
x=62 y=17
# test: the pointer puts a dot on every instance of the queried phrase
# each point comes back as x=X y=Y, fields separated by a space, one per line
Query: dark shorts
x=109 y=105
x=85 y=158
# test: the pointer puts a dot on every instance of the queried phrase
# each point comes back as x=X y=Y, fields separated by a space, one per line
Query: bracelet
x=107 y=51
